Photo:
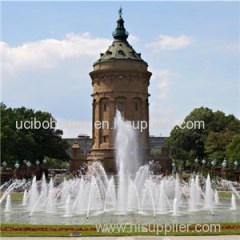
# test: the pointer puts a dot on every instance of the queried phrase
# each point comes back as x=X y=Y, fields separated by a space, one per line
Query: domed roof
x=120 y=48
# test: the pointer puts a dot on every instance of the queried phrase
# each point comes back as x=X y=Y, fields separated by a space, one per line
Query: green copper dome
x=120 y=48
x=120 y=32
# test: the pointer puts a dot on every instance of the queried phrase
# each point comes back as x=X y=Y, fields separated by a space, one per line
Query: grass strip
x=23 y=230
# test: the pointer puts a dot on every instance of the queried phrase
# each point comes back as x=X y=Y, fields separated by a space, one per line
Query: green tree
x=188 y=144
x=216 y=144
x=20 y=143
x=233 y=150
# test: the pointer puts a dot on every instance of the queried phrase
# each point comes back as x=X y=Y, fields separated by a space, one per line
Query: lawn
x=14 y=196
x=10 y=230
x=18 y=196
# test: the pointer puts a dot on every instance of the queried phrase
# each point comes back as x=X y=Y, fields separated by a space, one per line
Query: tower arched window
x=137 y=103
x=104 y=104
x=104 y=107
x=136 y=106
x=121 y=104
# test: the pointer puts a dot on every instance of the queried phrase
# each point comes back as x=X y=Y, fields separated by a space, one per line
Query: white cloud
x=166 y=42
x=164 y=82
x=52 y=75
x=133 y=39
x=232 y=47
x=72 y=127
x=161 y=112
x=48 y=52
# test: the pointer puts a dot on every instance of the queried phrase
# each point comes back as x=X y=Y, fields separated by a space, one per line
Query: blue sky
x=192 y=48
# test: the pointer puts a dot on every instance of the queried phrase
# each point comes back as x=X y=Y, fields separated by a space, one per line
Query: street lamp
x=67 y=165
x=213 y=162
x=37 y=162
x=235 y=164
x=203 y=164
x=44 y=161
x=28 y=164
x=195 y=168
x=4 y=164
x=224 y=164
x=173 y=167
x=17 y=165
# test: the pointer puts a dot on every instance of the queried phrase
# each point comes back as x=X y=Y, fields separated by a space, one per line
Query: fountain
x=148 y=198
x=68 y=207
x=127 y=157
x=198 y=190
x=134 y=191
x=80 y=204
x=195 y=194
x=8 y=205
x=95 y=201
x=163 y=199
x=177 y=193
x=126 y=160
x=50 y=203
x=25 y=197
x=216 y=197
x=12 y=186
x=65 y=191
x=175 y=206
x=208 y=200
x=44 y=192
x=233 y=202
x=110 y=200
x=33 y=194
x=192 y=198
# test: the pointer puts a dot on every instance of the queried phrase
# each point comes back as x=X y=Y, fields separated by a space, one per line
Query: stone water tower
x=120 y=80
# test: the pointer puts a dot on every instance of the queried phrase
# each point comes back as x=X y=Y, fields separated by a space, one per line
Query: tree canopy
x=31 y=143
x=233 y=150
x=210 y=141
